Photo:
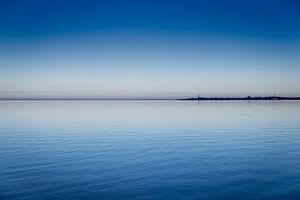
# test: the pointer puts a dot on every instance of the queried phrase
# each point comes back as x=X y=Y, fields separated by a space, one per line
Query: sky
x=149 y=48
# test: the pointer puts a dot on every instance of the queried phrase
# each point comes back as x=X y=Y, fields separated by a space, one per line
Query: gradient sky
x=146 y=49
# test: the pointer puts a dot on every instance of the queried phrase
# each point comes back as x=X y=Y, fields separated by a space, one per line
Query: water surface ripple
x=149 y=150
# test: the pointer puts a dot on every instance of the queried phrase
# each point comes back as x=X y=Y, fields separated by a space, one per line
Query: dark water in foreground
x=149 y=150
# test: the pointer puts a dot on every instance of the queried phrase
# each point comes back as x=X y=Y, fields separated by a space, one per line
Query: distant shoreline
x=248 y=98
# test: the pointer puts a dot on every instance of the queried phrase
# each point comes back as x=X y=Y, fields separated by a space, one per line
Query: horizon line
x=201 y=98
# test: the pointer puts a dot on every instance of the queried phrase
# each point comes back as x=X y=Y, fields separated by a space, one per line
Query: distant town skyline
x=149 y=49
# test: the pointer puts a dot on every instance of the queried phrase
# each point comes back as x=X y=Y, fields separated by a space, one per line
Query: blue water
x=149 y=150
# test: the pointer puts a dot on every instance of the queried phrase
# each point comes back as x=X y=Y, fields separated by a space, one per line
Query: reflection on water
x=149 y=150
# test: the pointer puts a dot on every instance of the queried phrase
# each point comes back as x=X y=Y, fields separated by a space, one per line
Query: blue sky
x=120 y=49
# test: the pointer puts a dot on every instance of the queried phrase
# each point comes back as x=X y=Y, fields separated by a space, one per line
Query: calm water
x=149 y=150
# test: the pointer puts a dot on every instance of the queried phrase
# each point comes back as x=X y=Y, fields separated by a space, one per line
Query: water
x=149 y=150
